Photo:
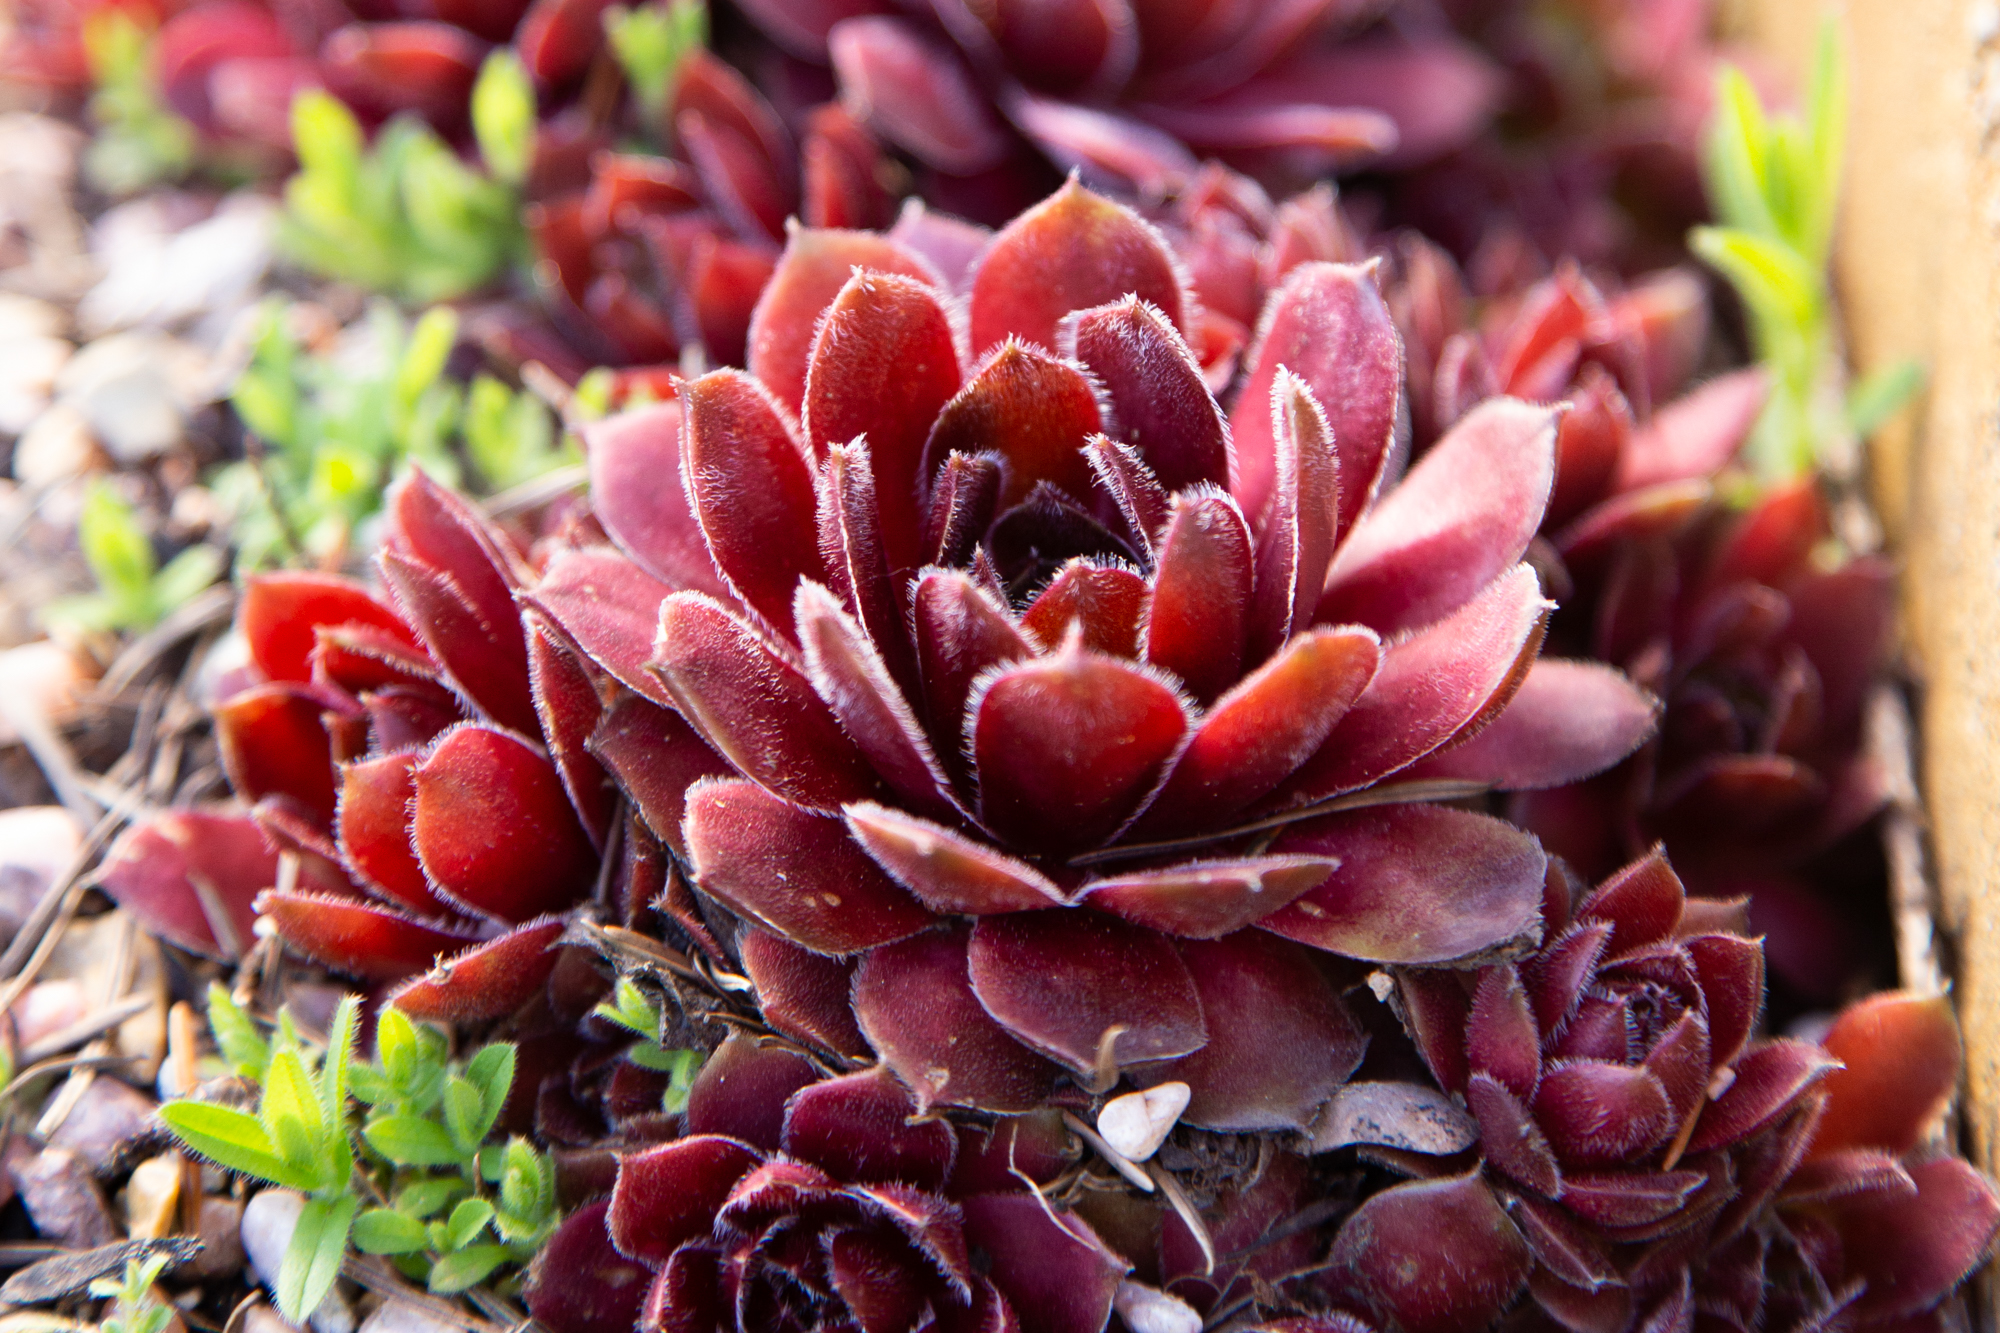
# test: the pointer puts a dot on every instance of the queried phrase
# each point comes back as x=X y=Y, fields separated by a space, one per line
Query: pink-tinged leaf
x=487 y=981
x=1461 y=518
x=811 y=272
x=373 y=826
x=1511 y=1140
x=1073 y=251
x=1295 y=537
x=360 y=658
x=795 y=872
x=1902 y=1056
x=1057 y=1275
x=1441 y=682
x=1680 y=1060
x=1629 y=1198
x=282 y=611
x=751 y=485
x=857 y=566
x=1558 y=972
x=381 y=69
x=754 y=707
x=273 y=743
x=1435 y=1007
x=1416 y=884
x=963 y=497
x=1592 y=441
x=742 y=1089
x=849 y=675
x=174 y=871
x=869 y=1275
x=1159 y=401
x=883 y=364
x=952 y=245
x=567 y=703
x=1198 y=621
x=435 y=527
x=713 y=89
x=948 y=871
x=1501 y=1035
x=841 y=170
x=1571 y=1255
x=1732 y=981
x=857 y=1129
x=1913 y=1251
x=1842 y=1172
x=801 y=993
x=1568 y=721
x=915 y=1002
x=1747 y=792
x=485 y=659
x=1032 y=410
x=558 y=38
x=1105 y=601
x=1258 y=734
x=961 y=631
x=1124 y=476
x=1068 y=747
x=669 y=1195
x=1207 y=899
x=656 y=757
x=911 y=88
x=409 y=719
x=1328 y=325
x=1290 y=1043
x=1456 y=1217
x=1657 y=511
x=636 y=492
x=1087 y=990
x=365 y=940
x=610 y=607
x=1641 y=903
x=1694 y=436
x=1601 y=1114
x=579 y=1282
x=494 y=828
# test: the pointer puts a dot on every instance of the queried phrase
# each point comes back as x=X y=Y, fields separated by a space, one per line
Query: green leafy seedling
x=139 y=141
x=632 y=1009
x=134 y=1310
x=650 y=43
x=133 y=591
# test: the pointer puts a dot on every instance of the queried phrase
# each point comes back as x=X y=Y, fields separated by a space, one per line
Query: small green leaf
x=651 y=42
x=423 y=360
x=326 y=136
x=492 y=1072
x=464 y=1114
x=421 y=1198
x=242 y=1046
x=233 y=1139
x=291 y=1115
x=409 y=1140
x=388 y=1231
x=467 y=1268
x=312 y=1261
x=1881 y=394
x=467 y=1220
x=114 y=546
x=503 y=117
x=185 y=575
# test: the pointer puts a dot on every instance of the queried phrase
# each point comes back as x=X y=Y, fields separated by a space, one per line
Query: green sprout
x=133 y=591
x=632 y=1009
x=1774 y=181
x=139 y=140
x=423 y=1184
x=650 y=43
x=134 y=1310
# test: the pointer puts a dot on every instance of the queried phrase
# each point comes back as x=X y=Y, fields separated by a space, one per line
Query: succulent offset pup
x=1068 y=707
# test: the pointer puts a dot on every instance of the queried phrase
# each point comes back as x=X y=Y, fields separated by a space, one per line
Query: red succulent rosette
x=1012 y=691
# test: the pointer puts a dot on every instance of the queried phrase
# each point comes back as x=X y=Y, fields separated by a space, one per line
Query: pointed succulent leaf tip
x=1513 y=1143
x=359 y=658
x=1629 y=1198
x=1159 y=402
x=668 y=1196
x=1198 y=620
x=567 y=703
x=1642 y=903
x=1696 y=435
x=963 y=498
x=949 y=872
x=1295 y=541
x=803 y=994
x=579 y=1282
x=1601 y=1114
x=1259 y=733
x=1032 y=410
x=848 y=673
x=816 y=264
x=1067 y=748
x=281 y=612
x=1902 y=1058
x=655 y=756
x=910 y=88
x=273 y=743
x=883 y=364
x=1073 y=251
x=915 y=1003
x=365 y=940
x=1442 y=682
x=1124 y=476
x=485 y=660
x=1501 y=1036
x=1416 y=884
x=610 y=607
x=1569 y=721
x=961 y=630
x=751 y=485
x=1106 y=601
x=1057 y=1275
x=1329 y=326
x=754 y=707
x=1382 y=1247
x=486 y=982
x=1461 y=518
x=1290 y=1041
x=1089 y=991
x=373 y=827
x=796 y=872
x=152 y=872
x=1913 y=1250
x=1770 y=1078
x=1208 y=899
x=850 y=541
x=858 y=1128
x=742 y=1089
x=1595 y=436
x=1732 y=981
x=636 y=492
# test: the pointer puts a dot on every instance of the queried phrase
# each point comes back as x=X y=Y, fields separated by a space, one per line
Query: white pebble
x=1138 y=1123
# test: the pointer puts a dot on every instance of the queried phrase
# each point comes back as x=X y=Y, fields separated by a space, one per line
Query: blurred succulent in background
x=134 y=591
x=140 y=141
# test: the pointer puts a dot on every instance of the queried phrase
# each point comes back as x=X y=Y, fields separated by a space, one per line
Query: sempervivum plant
x=1028 y=718
x=419 y=764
